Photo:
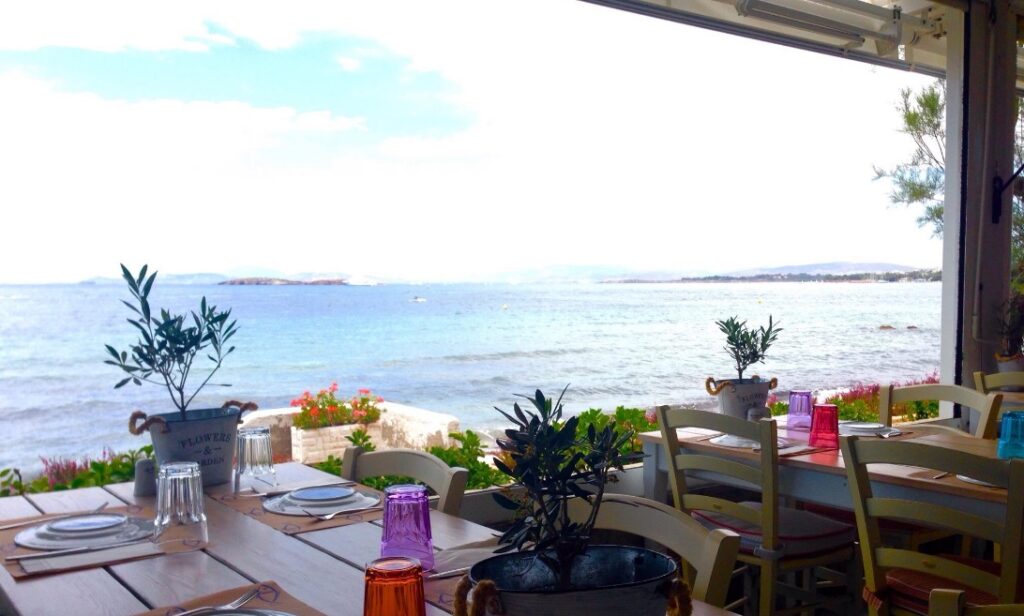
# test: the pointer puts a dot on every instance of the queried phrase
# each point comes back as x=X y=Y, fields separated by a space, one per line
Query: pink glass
x=799 y=416
x=824 y=426
x=407 y=524
x=394 y=585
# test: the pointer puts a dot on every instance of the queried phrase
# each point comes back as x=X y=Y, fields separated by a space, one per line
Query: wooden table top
x=321 y=568
x=831 y=461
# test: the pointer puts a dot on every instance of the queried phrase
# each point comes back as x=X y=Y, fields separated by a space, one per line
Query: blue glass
x=1011 y=435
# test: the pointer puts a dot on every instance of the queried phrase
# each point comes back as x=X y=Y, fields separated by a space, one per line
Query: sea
x=461 y=349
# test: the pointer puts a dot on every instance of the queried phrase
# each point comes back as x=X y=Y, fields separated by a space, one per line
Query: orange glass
x=394 y=587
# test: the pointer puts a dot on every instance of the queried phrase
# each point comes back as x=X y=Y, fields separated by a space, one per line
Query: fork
x=50 y=519
x=239 y=602
x=327 y=516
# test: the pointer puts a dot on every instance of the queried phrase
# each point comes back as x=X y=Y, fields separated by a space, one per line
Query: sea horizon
x=464 y=349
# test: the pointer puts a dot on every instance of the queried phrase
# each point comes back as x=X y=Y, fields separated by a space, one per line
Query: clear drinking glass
x=407 y=524
x=179 y=502
x=799 y=417
x=253 y=456
x=394 y=585
x=824 y=426
x=1011 y=436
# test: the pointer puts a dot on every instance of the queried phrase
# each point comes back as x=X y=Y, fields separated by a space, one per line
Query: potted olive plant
x=744 y=397
x=168 y=353
x=547 y=565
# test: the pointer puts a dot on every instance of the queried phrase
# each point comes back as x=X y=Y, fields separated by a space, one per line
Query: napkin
x=270 y=597
x=463 y=556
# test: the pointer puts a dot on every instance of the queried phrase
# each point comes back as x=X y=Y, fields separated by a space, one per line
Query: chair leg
x=766 y=596
x=749 y=606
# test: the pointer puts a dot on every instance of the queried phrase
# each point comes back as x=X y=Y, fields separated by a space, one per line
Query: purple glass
x=800 y=406
x=407 y=524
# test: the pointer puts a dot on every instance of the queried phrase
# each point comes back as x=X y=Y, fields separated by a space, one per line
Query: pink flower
x=359 y=413
x=364 y=392
x=334 y=387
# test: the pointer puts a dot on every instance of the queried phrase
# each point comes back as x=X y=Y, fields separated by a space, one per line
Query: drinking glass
x=824 y=426
x=1011 y=436
x=394 y=585
x=253 y=457
x=179 y=502
x=407 y=524
x=799 y=417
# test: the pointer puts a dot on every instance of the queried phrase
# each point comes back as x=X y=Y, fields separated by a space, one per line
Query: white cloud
x=672 y=148
x=348 y=64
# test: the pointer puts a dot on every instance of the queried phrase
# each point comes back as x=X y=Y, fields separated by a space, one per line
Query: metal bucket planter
x=742 y=398
x=206 y=436
x=1013 y=363
x=606 y=581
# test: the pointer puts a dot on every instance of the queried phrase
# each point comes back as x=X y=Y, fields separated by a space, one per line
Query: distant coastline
x=283 y=282
x=911 y=276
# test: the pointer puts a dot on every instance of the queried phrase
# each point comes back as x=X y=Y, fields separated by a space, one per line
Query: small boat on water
x=417 y=299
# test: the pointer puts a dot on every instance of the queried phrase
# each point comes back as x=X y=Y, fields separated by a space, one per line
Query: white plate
x=865 y=426
x=977 y=482
x=731 y=440
x=286 y=506
x=88 y=523
x=38 y=538
x=321 y=494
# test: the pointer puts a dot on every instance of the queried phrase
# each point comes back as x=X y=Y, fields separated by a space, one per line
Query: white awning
x=908 y=35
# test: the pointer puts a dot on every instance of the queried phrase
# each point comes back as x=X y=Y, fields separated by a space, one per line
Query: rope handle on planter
x=679 y=601
x=485 y=595
x=135 y=428
x=243 y=407
x=715 y=388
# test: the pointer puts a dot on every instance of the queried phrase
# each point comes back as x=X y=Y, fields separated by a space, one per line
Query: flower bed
x=860 y=403
x=324 y=423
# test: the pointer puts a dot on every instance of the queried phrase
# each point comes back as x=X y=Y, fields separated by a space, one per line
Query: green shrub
x=468 y=454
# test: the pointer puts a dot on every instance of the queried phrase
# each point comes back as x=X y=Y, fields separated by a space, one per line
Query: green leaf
x=122 y=383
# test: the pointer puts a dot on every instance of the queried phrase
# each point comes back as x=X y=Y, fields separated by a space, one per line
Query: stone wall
x=400 y=426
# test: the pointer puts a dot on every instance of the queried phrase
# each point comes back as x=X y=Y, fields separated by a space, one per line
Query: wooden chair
x=986 y=383
x=899 y=581
x=987 y=405
x=949 y=602
x=712 y=553
x=448 y=482
x=773 y=539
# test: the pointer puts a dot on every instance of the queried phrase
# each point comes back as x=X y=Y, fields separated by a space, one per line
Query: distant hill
x=282 y=281
x=166 y=279
x=819 y=269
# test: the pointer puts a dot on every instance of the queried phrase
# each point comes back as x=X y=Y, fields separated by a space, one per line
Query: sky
x=451 y=140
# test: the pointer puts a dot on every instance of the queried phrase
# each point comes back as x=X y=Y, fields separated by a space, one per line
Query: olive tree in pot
x=165 y=355
x=547 y=565
x=740 y=397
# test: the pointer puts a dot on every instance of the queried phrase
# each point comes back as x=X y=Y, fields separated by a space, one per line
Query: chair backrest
x=762 y=476
x=987 y=405
x=711 y=552
x=949 y=602
x=878 y=557
x=448 y=482
x=987 y=382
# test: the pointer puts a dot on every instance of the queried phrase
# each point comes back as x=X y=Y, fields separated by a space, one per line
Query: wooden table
x=821 y=477
x=321 y=568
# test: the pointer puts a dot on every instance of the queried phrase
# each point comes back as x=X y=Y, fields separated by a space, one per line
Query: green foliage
x=361 y=438
x=630 y=419
x=115 y=468
x=331 y=465
x=546 y=458
x=747 y=346
x=469 y=455
x=167 y=347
